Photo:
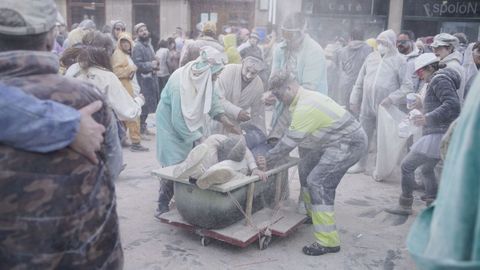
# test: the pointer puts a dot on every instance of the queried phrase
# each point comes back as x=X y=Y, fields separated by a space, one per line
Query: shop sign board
x=442 y=8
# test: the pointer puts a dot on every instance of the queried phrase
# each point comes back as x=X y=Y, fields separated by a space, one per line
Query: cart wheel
x=205 y=241
x=264 y=241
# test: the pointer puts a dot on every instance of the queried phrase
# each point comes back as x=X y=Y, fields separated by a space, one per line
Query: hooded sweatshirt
x=454 y=61
x=441 y=103
x=123 y=66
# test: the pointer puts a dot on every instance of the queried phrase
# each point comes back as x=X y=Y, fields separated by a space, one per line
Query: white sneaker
x=192 y=165
x=215 y=177
x=357 y=168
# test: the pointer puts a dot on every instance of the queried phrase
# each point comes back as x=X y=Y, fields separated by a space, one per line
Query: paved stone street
x=371 y=238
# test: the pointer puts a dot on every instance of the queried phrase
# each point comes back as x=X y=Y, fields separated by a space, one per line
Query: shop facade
x=429 y=17
x=331 y=19
x=161 y=16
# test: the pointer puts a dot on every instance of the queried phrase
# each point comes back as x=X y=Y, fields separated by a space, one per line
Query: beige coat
x=236 y=99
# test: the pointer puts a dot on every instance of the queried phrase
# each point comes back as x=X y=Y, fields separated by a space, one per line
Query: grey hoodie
x=454 y=61
x=350 y=61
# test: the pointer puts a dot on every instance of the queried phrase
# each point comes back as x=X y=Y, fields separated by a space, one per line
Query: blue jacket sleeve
x=34 y=125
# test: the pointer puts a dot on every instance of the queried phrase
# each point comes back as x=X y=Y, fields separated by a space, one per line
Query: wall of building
x=395 y=15
x=62 y=8
x=174 y=13
x=285 y=7
x=119 y=10
x=261 y=16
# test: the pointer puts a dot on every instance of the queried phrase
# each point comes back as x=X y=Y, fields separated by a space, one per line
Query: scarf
x=196 y=92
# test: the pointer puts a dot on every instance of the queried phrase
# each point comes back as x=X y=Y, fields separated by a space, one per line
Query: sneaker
x=316 y=249
x=136 y=147
x=148 y=132
x=215 y=177
x=357 y=168
x=160 y=210
x=191 y=166
x=145 y=137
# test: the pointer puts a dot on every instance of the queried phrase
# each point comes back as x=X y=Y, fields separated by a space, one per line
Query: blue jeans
x=410 y=163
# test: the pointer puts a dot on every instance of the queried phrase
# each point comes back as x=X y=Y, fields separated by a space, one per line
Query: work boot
x=404 y=207
x=308 y=220
x=192 y=165
x=215 y=177
x=316 y=249
x=137 y=147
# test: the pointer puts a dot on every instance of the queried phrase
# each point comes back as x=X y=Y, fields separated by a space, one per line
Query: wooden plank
x=278 y=187
x=167 y=173
x=285 y=223
x=249 y=203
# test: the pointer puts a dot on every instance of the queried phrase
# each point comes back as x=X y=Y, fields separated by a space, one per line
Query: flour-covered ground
x=371 y=238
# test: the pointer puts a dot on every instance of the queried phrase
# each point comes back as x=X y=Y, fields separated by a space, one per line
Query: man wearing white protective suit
x=241 y=89
x=382 y=81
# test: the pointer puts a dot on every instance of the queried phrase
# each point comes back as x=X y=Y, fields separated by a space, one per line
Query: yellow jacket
x=230 y=43
x=122 y=65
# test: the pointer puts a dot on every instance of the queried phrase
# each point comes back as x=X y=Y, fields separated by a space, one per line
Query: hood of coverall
x=382 y=77
x=389 y=40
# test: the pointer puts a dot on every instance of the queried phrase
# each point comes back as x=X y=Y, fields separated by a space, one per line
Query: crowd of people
x=72 y=100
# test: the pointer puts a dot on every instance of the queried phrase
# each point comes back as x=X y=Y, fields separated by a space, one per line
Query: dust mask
x=382 y=49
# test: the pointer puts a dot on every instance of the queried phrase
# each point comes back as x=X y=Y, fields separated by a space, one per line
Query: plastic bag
x=404 y=129
x=390 y=146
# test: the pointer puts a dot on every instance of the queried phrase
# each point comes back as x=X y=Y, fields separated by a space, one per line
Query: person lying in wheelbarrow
x=217 y=160
x=330 y=141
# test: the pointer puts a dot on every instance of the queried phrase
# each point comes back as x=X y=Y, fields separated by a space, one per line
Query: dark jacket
x=441 y=104
x=142 y=56
x=57 y=209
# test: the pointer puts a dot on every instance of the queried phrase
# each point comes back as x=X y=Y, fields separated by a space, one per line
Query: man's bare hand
x=270 y=100
x=243 y=116
x=229 y=126
x=261 y=174
x=261 y=162
x=90 y=134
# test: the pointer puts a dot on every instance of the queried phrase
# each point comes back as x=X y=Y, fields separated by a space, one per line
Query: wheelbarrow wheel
x=263 y=242
x=205 y=241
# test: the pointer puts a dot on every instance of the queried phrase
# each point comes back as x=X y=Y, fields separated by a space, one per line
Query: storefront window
x=331 y=19
x=148 y=12
x=79 y=10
